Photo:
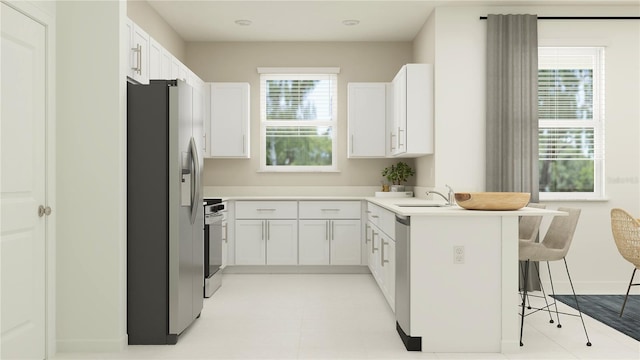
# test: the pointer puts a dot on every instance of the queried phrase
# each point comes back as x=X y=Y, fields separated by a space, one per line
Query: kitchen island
x=462 y=276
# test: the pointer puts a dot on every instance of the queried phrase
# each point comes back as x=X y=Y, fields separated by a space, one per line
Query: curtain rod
x=582 y=18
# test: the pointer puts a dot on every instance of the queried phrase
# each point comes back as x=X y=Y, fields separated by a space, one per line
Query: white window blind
x=298 y=116
x=571 y=122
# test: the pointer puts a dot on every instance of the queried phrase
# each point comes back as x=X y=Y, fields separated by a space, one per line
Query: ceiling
x=315 y=20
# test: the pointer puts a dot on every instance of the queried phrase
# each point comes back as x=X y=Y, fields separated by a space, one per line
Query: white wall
x=91 y=178
x=238 y=61
x=460 y=43
x=424 y=51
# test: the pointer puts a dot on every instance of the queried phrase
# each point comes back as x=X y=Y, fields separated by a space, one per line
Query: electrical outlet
x=458 y=254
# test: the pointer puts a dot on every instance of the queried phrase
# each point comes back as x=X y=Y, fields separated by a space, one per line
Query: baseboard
x=296 y=269
x=92 y=345
x=591 y=287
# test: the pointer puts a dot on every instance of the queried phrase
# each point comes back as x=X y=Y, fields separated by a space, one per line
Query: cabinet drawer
x=382 y=218
x=266 y=210
x=329 y=209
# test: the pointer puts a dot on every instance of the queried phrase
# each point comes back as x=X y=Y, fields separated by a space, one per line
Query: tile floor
x=301 y=316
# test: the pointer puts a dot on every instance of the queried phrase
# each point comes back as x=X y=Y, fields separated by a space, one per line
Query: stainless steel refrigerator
x=165 y=214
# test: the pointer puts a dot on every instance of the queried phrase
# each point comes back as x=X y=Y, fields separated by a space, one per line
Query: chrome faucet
x=450 y=198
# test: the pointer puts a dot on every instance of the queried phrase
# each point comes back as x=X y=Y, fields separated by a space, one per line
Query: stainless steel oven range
x=214 y=217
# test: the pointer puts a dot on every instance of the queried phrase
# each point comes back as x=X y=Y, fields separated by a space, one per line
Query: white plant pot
x=397 y=188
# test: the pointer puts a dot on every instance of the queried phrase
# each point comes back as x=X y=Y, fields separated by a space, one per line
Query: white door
x=22 y=186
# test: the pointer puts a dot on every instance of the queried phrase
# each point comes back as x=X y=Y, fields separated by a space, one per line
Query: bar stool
x=553 y=247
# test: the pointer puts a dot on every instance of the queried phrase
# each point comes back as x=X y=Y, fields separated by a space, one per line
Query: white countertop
x=395 y=205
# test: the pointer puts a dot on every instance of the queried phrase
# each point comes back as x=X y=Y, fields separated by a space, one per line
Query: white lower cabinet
x=388 y=268
x=282 y=242
x=250 y=242
x=381 y=248
x=345 y=242
x=329 y=242
x=330 y=233
x=314 y=242
x=270 y=242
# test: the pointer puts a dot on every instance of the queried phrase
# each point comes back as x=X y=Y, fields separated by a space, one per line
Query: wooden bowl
x=493 y=200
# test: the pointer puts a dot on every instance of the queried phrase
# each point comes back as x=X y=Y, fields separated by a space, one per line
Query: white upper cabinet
x=159 y=61
x=229 y=126
x=410 y=129
x=367 y=119
x=138 y=45
x=155 y=60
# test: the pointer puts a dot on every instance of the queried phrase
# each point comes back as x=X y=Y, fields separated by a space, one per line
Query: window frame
x=297 y=74
x=596 y=123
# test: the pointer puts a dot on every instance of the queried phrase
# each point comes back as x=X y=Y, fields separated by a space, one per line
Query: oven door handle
x=211 y=219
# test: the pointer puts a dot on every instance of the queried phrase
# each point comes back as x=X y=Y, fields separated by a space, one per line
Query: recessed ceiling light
x=243 y=22
x=350 y=22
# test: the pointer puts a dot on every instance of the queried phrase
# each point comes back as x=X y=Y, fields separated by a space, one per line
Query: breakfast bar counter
x=462 y=276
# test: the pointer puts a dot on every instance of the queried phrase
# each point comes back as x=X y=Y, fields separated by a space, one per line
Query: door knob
x=42 y=211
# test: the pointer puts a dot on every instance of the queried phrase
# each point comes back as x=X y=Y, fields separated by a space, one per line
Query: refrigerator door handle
x=195 y=179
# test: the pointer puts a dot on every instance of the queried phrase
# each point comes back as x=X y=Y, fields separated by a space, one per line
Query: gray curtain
x=512 y=106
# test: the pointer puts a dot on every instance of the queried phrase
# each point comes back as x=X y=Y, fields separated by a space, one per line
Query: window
x=298 y=120
x=571 y=123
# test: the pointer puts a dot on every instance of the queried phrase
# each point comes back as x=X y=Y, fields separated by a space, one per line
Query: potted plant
x=397 y=175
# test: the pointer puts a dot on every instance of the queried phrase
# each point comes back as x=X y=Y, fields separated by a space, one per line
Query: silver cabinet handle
x=330 y=209
x=391 y=140
x=265 y=209
x=373 y=242
x=366 y=233
x=326 y=230
x=244 y=150
x=268 y=230
x=262 y=227
x=351 y=144
x=375 y=216
x=399 y=137
x=138 y=51
x=382 y=260
x=331 y=228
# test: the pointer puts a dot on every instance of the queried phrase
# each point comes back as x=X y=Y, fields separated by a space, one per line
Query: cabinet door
x=165 y=64
x=230 y=120
x=129 y=44
x=367 y=242
x=282 y=242
x=366 y=119
x=399 y=129
x=374 y=256
x=175 y=68
x=198 y=116
x=388 y=267
x=345 y=242
x=140 y=49
x=314 y=242
x=155 y=60
x=225 y=243
x=250 y=242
